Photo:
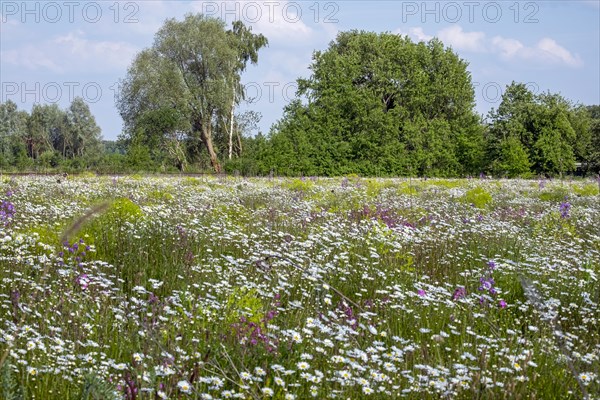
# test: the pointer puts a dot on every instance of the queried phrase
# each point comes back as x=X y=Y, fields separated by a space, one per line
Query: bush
x=590 y=189
x=556 y=194
x=478 y=197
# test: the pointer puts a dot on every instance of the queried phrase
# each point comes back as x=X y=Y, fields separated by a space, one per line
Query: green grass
x=229 y=285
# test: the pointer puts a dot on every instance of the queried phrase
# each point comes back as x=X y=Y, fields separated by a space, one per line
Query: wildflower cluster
x=7 y=210
x=565 y=208
x=249 y=333
x=74 y=253
x=219 y=287
x=487 y=287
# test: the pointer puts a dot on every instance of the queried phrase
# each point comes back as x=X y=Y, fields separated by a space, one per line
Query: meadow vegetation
x=221 y=287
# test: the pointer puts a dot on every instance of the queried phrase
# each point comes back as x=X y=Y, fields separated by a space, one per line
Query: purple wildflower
x=565 y=207
x=459 y=293
x=7 y=211
x=486 y=284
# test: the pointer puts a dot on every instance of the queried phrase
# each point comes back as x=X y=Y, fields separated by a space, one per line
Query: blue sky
x=53 y=51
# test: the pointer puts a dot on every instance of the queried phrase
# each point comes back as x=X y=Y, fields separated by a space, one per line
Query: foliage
x=82 y=134
x=244 y=303
x=554 y=194
x=49 y=137
x=193 y=67
x=299 y=185
x=478 y=197
x=374 y=105
x=593 y=158
x=108 y=226
x=512 y=160
x=590 y=189
x=379 y=104
x=544 y=133
x=95 y=388
x=9 y=385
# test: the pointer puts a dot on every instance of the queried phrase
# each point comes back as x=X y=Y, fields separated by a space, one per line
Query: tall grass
x=315 y=288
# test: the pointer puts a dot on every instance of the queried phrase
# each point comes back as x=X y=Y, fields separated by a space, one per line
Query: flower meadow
x=227 y=287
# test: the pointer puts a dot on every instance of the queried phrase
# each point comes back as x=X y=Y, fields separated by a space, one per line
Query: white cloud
x=553 y=50
x=415 y=33
x=280 y=21
x=453 y=36
x=547 y=50
x=30 y=57
x=461 y=40
x=289 y=28
x=507 y=47
x=72 y=52
x=106 y=53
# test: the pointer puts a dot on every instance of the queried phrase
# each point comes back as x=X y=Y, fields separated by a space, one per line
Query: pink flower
x=502 y=304
x=83 y=280
x=459 y=293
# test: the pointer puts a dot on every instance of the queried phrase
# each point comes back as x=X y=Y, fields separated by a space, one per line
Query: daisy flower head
x=303 y=365
x=184 y=386
x=367 y=390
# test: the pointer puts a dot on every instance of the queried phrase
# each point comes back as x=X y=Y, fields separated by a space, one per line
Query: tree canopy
x=193 y=67
x=48 y=135
x=373 y=104
x=541 y=134
x=381 y=104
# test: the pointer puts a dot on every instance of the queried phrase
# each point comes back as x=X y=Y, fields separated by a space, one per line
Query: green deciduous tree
x=593 y=156
x=44 y=126
x=512 y=160
x=47 y=136
x=162 y=131
x=381 y=104
x=553 y=133
x=13 y=127
x=193 y=67
x=82 y=135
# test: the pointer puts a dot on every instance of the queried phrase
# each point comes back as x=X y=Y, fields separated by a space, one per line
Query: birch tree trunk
x=231 y=124
x=207 y=139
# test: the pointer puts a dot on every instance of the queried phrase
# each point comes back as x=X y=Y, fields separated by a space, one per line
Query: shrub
x=555 y=194
x=478 y=197
x=590 y=189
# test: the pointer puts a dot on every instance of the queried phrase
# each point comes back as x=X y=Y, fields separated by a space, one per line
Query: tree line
x=374 y=104
x=380 y=104
x=48 y=136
